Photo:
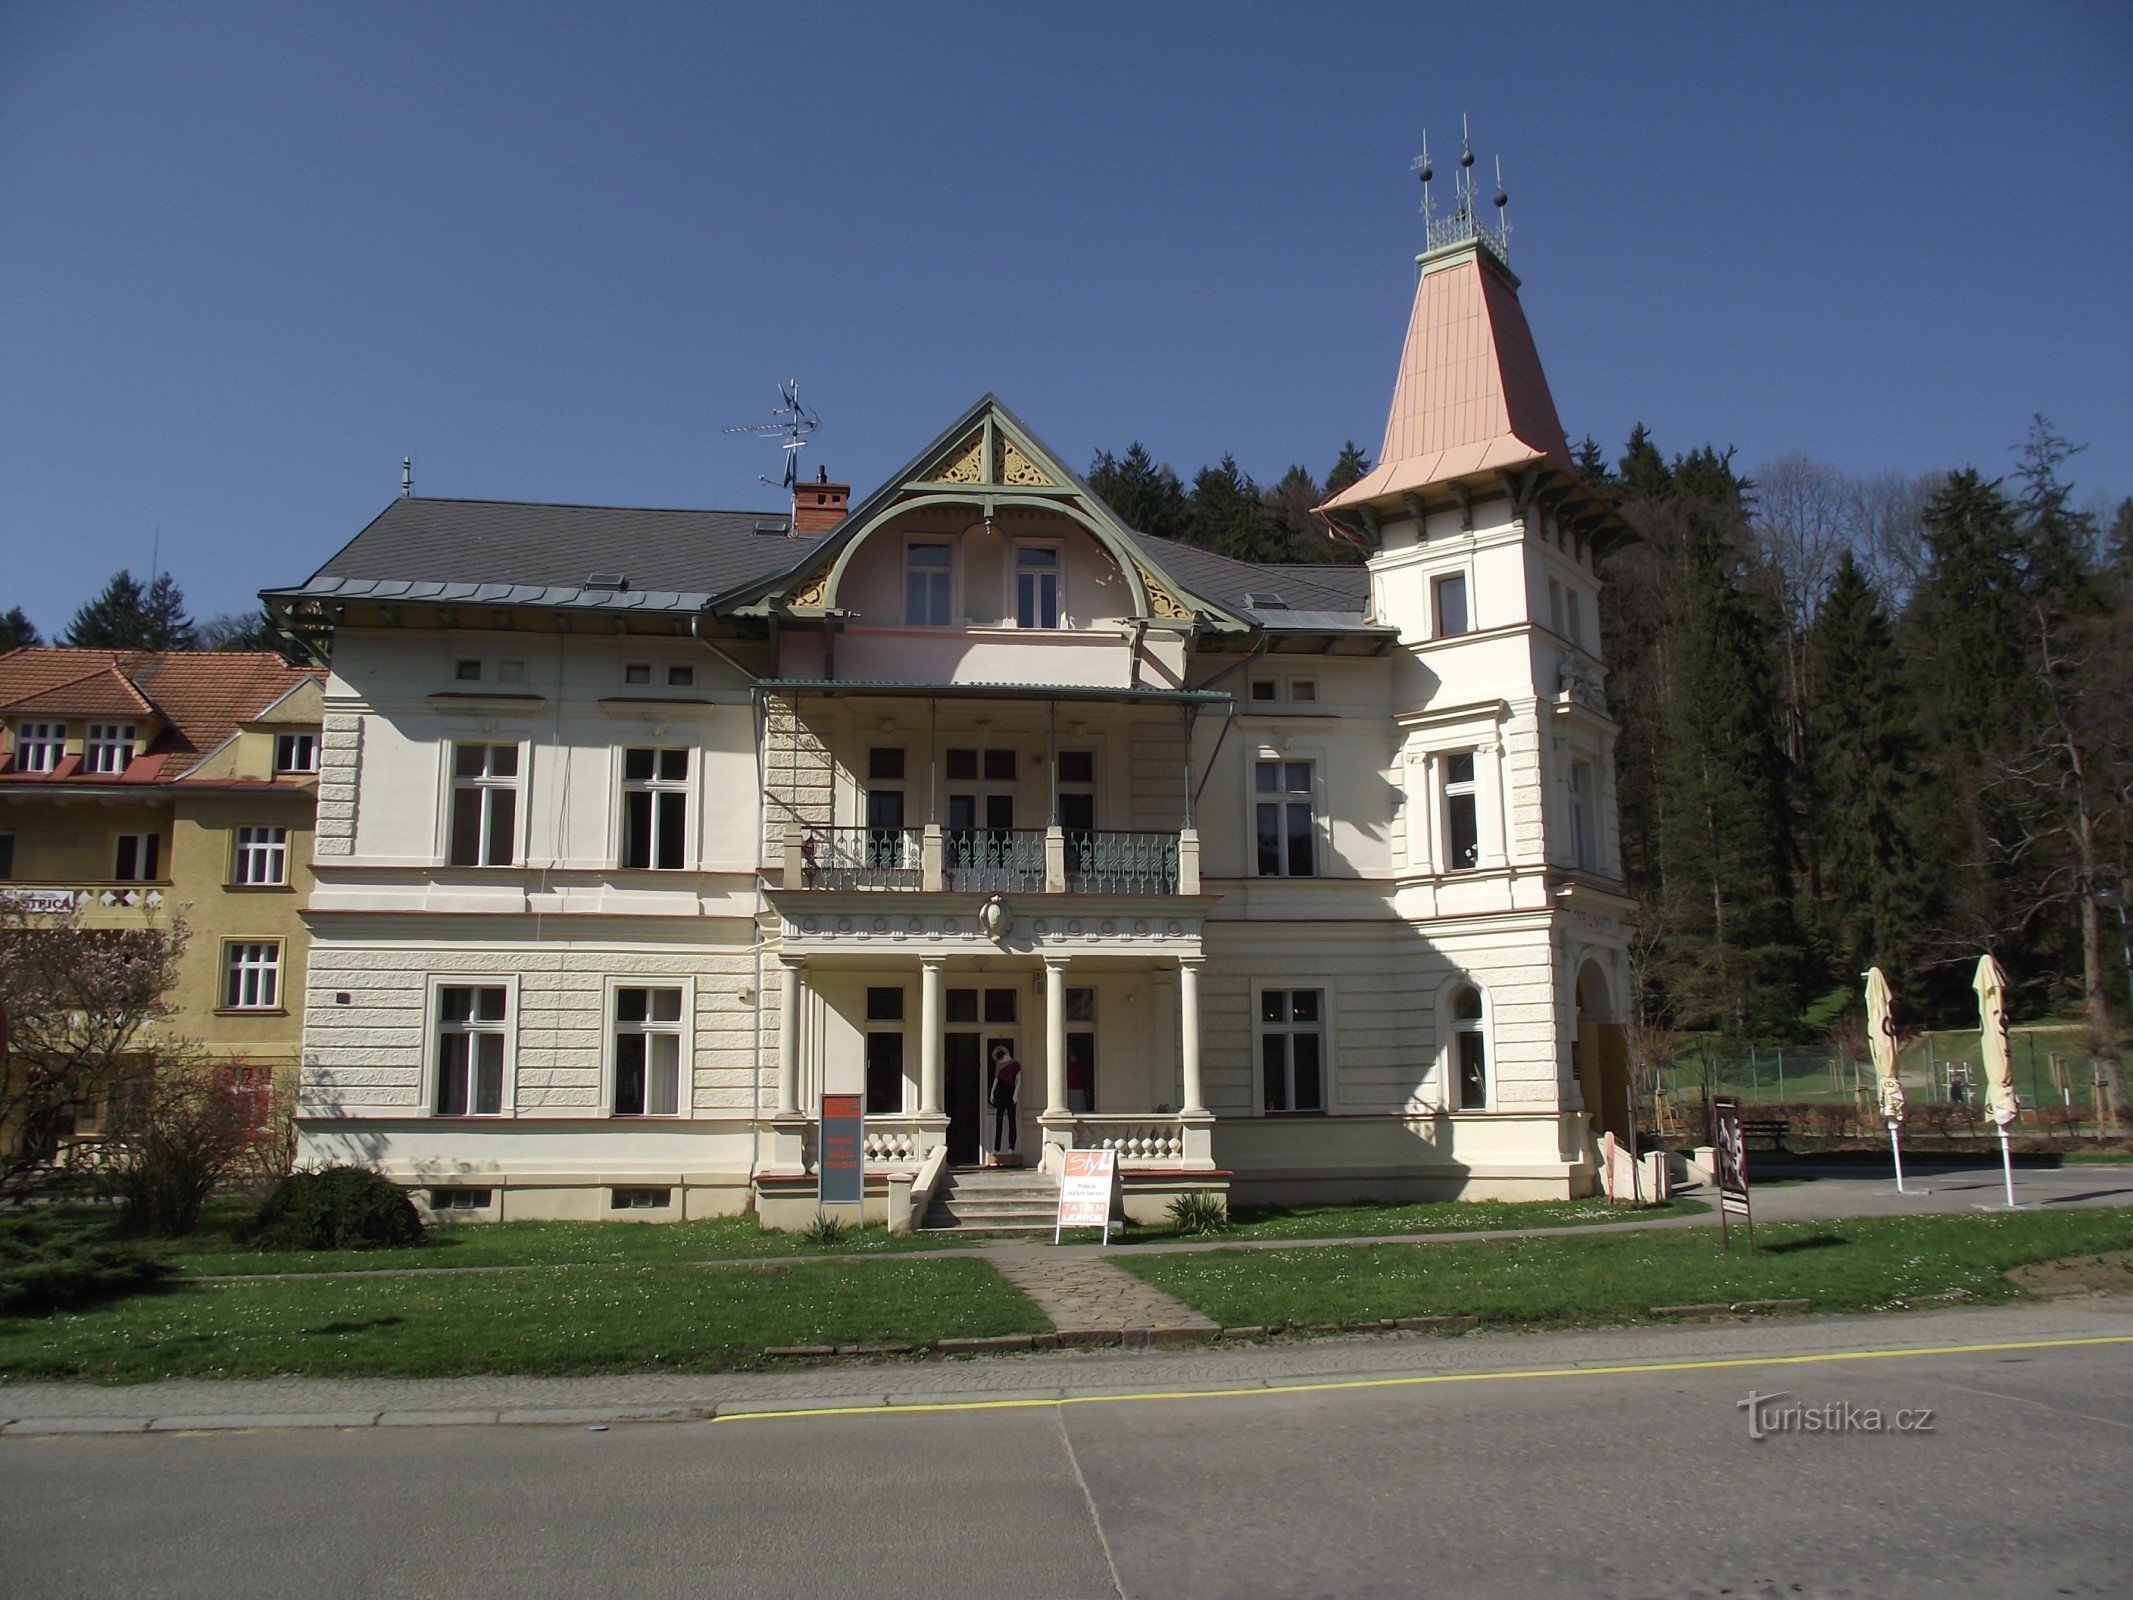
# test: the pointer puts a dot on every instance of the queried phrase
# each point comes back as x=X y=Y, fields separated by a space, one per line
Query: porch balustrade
x=993 y=860
x=861 y=858
x=989 y=860
x=1121 y=863
x=1151 y=1140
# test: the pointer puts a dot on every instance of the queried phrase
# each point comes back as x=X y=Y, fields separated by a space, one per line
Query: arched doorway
x=1600 y=1054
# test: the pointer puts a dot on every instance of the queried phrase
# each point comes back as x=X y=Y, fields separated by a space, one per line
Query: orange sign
x=1085 y=1190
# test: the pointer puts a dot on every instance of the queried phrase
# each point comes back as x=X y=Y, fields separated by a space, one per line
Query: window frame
x=433 y=1031
x=294 y=743
x=1449 y=1029
x=1325 y=989
x=1581 y=802
x=1056 y=548
x=100 y=740
x=49 y=738
x=234 y=965
x=454 y=783
x=656 y=787
x=945 y=572
x=1437 y=581
x=611 y=1027
x=275 y=850
x=1321 y=854
x=1448 y=789
x=901 y=1027
x=154 y=852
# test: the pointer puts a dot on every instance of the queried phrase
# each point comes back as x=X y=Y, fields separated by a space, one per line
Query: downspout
x=755 y=930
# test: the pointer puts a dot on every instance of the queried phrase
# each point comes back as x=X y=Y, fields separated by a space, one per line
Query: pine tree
x=1643 y=472
x=127 y=617
x=1868 y=807
x=1229 y=518
x=16 y=630
x=1143 y=496
x=1591 y=462
x=1966 y=621
x=1350 y=467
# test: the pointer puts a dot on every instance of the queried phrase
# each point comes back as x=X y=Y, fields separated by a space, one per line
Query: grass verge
x=1431 y=1216
x=635 y=1317
x=1856 y=1265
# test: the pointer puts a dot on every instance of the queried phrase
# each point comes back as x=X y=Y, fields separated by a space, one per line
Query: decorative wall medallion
x=951 y=927
x=1140 y=930
x=844 y=924
x=811 y=925
x=881 y=924
x=1043 y=925
x=1110 y=927
x=1074 y=928
x=1174 y=929
x=914 y=927
x=994 y=919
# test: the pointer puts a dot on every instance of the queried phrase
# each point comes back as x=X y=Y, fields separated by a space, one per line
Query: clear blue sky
x=251 y=256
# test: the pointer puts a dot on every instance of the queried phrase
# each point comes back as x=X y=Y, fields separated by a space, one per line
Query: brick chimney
x=819 y=506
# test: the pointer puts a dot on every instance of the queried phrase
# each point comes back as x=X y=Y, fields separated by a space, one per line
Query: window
x=511 y=671
x=1081 y=1051
x=1303 y=690
x=262 y=856
x=885 y=1051
x=108 y=747
x=655 y=808
x=928 y=576
x=1288 y=836
x=470 y=1051
x=1450 y=595
x=40 y=746
x=1555 y=606
x=1470 y=1055
x=462 y=1199
x=637 y=672
x=7 y=855
x=135 y=857
x=1574 y=614
x=647 y=1052
x=466 y=670
x=1036 y=586
x=1462 y=813
x=997 y=766
x=1000 y=1004
x=296 y=752
x=1291 y=1050
x=1265 y=690
x=251 y=975
x=681 y=677
x=640 y=1199
x=1581 y=798
x=484 y=805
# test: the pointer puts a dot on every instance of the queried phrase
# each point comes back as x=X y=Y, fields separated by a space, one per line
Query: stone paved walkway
x=1084 y=1294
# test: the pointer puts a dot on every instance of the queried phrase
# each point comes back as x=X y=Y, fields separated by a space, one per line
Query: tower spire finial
x=1466 y=220
x=1422 y=170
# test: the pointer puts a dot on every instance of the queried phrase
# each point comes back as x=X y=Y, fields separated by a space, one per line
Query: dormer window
x=108 y=747
x=1037 y=586
x=296 y=752
x=39 y=746
x=928 y=584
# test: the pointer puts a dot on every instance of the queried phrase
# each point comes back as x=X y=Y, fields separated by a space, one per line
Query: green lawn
x=1429 y=1216
x=629 y=1317
x=1837 y=1266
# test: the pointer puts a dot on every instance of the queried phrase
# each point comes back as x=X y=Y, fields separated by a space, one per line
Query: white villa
x=639 y=831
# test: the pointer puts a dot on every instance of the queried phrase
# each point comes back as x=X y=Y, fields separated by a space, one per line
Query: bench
x=1772 y=1129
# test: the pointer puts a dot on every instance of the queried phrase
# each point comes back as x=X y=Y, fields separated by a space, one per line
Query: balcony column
x=1195 y=1100
x=929 y=1038
x=789 y=1037
x=1055 y=1073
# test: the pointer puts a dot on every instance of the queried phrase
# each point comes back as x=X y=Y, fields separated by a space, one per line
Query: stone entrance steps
x=1000 y=1200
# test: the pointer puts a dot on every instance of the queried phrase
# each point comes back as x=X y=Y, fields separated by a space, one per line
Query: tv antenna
x=794 y=422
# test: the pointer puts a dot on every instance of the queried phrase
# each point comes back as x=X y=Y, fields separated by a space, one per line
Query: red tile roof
x=201 y=697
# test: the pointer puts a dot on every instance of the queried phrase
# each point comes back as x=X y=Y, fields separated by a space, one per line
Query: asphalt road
x=1482 y=1483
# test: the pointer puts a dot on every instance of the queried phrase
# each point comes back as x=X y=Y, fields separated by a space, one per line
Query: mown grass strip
x=1426 y=1216
x=1855 y=1265
x=636 y=1317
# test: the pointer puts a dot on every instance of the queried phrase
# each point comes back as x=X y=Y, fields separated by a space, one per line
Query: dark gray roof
x=511 y=551
x=1352 y=584
x=1227 y=581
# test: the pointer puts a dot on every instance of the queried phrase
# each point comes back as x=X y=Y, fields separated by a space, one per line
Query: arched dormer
x=996 y=499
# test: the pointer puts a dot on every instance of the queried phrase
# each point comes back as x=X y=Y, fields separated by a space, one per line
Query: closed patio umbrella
x=1881 y=1044
x=1991 y=986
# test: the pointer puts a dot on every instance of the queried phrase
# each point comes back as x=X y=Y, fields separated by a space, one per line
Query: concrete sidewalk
x=184 y=1405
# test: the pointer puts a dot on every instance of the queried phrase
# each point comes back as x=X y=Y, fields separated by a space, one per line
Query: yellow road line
x=1413 y=1380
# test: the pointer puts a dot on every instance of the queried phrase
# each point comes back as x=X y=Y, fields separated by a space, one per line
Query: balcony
x=992 y=860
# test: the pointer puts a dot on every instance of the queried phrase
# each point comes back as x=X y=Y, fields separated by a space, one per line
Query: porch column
x=1189 y=1034
x=1055 y=1074
x=789 y=1037
x=929 y=1038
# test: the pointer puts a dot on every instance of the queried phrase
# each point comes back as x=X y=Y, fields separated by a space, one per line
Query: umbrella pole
x=2007 y=1165
x=1896 y=1149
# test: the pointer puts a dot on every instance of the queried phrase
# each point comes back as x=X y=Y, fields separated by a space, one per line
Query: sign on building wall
x=841 y=1167
x=1730 y=1158
x=1085 y=1191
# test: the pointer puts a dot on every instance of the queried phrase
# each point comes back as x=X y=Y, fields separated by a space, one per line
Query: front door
x=964 y=1084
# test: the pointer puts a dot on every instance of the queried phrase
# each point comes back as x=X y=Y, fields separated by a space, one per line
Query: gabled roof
x=1470 y=396
x=1305 y=601
x=508 y=552
x=199 y=696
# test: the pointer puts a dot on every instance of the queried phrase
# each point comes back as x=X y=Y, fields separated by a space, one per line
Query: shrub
x=183 y=1134
x=338 y=1208
x=1199 y=1212
x=825 y=1229
x=45 y=1268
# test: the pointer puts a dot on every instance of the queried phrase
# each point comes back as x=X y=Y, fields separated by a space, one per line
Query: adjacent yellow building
x=138 y=786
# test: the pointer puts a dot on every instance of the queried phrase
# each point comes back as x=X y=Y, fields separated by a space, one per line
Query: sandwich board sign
x=841 y=1165
x=1085 y=1188
x=1730 y=1157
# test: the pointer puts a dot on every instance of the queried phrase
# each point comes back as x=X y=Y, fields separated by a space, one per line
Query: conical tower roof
x=1471 y=396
